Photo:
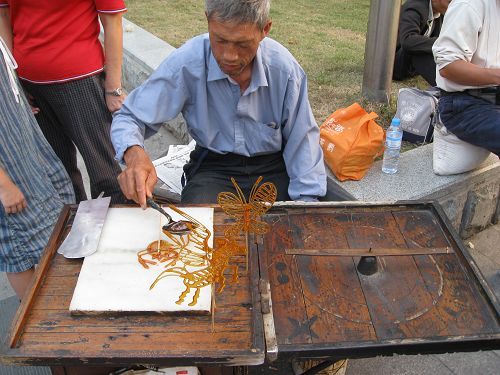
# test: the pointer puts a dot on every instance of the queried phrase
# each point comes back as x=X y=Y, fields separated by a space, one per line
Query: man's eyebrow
x=233 y=41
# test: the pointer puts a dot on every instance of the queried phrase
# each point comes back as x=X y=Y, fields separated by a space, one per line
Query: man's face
x=234 y=45
x=440 y=6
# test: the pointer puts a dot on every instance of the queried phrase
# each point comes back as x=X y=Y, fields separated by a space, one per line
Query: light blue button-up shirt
x=273 y=113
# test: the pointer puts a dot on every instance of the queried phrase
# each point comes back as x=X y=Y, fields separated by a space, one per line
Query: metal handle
x=157 y=207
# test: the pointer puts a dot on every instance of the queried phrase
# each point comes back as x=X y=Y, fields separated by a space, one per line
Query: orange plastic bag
x=351 y=140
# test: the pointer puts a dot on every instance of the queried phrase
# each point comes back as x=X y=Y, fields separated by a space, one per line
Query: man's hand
x=137 y=181
x=114 y=103
x=12 y=198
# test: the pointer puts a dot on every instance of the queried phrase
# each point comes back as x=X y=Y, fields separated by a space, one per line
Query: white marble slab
x=112 y=279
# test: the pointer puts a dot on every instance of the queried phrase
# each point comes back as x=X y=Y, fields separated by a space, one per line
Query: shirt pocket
x=263 y=137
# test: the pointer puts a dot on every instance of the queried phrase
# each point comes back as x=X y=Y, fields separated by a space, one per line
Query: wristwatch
x=115 y=92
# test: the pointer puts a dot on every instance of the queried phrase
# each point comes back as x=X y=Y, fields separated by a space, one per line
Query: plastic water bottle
x=393 y=140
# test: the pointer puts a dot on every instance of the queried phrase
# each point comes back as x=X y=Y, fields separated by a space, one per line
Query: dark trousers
x=75 y=113
x=209 y=173
x=473 y=120
x=410 y=65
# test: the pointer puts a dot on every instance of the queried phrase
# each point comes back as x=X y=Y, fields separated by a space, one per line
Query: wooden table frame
x=245 y=311
x=287 y=342
x=45 y=333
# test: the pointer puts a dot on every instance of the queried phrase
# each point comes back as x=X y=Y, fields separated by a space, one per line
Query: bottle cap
x=396 y=121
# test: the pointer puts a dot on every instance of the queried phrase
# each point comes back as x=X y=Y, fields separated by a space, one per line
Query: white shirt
x=470 y=32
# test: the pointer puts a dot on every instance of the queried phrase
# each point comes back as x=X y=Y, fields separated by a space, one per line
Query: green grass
x=326 y=36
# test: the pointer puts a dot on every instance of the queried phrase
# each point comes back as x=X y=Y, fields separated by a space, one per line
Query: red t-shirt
x=57 y=40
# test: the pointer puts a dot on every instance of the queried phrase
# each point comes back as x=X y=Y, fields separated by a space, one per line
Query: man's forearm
x=113 y=49
x=6 y=27
x=466 y=73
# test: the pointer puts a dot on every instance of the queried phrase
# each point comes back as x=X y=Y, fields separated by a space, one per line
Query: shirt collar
x=430 y=20
x=432 y=16
x=214 y=72
x=258 y=73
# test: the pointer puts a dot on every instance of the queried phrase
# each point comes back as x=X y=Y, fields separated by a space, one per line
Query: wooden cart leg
x=57 y=370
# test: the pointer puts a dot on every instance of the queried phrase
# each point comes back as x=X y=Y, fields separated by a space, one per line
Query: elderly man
x=467 y=56
x=419 y=26
x=244 y=99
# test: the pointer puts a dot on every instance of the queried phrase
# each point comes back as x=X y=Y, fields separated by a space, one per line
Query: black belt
x=490 y=94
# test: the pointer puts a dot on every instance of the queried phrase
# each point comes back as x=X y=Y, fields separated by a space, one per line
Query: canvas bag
x=451 y=155
x=418 y=112
x=351 y=140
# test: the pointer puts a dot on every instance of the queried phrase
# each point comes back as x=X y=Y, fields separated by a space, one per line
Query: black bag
x=418 y=113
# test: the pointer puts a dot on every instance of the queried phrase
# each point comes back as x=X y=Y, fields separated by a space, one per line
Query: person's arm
x=11 y=197
x=5 y=26
x=159 y=99
x=412 y=23
x=113 y=49
x=302 y=153
x=466 y=73
x=456 y=46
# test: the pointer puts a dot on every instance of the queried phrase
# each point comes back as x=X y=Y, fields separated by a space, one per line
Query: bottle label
x=393 y=139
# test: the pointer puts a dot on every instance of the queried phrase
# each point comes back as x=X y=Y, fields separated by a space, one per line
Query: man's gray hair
x=252 y=11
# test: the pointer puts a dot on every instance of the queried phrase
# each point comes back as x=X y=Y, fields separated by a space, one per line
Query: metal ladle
x=179 y=227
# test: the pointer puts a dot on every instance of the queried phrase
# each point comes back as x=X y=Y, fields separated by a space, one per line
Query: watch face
x=115 y=92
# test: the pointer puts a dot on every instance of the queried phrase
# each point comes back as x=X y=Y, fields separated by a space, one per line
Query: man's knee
x=453 y=156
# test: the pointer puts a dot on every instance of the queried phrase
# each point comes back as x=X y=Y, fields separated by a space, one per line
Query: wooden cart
x=304 y=296
x=426 y=296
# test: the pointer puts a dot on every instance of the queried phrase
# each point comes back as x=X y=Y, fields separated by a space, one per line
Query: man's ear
x=267 y=28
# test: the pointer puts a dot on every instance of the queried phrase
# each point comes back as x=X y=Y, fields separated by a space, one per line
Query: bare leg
x=20 y=281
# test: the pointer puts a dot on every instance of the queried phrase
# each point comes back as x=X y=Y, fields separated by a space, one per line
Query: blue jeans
x=472 y=119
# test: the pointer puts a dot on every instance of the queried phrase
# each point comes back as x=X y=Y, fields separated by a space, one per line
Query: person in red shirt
x=74 y=85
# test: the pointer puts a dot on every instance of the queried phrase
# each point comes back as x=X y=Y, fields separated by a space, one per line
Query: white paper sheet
x=112 y=279
x=169 y=168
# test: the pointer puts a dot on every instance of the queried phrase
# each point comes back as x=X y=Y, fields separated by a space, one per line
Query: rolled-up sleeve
x=159 y=99
x=302 y=153
x=457 y=43
x=110 y=6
